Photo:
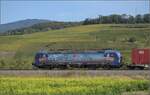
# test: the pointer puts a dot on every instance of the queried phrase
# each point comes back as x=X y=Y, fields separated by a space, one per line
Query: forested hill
x=41 y=27
x=20 y=24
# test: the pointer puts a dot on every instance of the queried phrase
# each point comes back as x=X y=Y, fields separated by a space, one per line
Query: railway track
x=68 y=73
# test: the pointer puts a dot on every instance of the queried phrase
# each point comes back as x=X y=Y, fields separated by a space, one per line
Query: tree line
x=118 y=19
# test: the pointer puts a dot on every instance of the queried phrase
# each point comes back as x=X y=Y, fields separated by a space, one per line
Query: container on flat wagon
x=141 y=56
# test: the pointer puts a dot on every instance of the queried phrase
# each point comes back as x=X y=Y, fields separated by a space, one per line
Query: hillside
x=20 y=24
x=18 y=51
x=33 y=25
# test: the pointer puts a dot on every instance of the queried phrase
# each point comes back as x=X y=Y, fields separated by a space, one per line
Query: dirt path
x=64 y=73
x=137 y=93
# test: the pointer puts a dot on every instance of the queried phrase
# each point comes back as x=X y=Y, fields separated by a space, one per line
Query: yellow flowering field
x=71 y=85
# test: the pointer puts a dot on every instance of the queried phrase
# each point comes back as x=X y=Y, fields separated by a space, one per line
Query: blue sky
x=68 y=10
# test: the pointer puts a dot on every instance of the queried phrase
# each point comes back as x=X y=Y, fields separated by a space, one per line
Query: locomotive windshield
x=40 y=58
x=115 y=55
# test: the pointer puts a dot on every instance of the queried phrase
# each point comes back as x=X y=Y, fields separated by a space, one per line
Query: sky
x=68 y=10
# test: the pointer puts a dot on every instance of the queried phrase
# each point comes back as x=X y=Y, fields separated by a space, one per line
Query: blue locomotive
x=82 y=59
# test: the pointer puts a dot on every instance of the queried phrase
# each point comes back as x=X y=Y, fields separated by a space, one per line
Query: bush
x=132 y=40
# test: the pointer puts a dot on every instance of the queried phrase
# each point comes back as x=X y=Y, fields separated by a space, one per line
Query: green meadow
x=17 y=51
x=71 y=85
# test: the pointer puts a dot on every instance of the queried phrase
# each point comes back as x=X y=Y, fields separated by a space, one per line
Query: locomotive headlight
x=42 y=60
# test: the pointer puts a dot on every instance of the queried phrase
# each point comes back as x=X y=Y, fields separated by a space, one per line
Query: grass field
x=71 y=85
x=17 y=52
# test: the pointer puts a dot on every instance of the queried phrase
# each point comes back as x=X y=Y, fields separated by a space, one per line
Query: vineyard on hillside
x=18 y=51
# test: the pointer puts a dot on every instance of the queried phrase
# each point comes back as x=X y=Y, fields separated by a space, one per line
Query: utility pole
x=0 y=11
x=149 y=6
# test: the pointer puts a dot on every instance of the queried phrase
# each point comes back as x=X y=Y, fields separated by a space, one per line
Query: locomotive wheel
x=91 y=67
x=63 y=67
x=139 y=68
x=106 y=67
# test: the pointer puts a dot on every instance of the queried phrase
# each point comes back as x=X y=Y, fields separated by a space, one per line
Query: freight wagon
x=140 y=59
x=91 y=59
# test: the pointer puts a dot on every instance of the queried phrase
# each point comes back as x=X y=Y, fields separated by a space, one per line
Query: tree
x=115 y=18
x=124 y=18
x=100 y=18
x=146 y=18
x=138 y=19
x=131 y=20
x=86 y=21
x=105 y=19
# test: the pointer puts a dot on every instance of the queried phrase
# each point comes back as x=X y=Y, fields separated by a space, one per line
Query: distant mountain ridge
x=34 y=25
x=21 y=24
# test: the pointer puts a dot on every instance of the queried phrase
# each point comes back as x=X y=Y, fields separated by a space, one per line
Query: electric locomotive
x=79 y=59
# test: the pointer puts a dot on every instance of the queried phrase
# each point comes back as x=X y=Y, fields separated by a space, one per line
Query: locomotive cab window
x=40 y=55
x=110 y=55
